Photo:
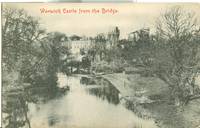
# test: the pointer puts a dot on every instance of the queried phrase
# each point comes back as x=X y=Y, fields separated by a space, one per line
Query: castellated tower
x=113 y=37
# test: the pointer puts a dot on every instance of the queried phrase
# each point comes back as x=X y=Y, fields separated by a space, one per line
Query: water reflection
x=15 y=107
x=76 y=109
x=101 y=88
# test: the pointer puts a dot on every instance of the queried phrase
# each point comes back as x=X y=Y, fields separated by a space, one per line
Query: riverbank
x=152 y=95
x=134 y=85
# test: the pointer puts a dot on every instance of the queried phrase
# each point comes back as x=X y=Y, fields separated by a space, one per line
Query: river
x=79 y=108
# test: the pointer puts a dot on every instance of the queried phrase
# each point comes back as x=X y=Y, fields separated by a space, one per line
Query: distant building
x=139 y=34
x=76 y=44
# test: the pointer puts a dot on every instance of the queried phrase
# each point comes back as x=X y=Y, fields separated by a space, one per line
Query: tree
x=58 y=51
x=176 y=58
x=19 y=33
x=100 y=45
x=28 y=51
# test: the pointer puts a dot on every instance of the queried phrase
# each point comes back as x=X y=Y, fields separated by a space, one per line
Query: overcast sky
x=130 y=16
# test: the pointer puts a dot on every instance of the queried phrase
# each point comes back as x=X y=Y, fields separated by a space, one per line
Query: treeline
x=30 y=56
x=172 y=53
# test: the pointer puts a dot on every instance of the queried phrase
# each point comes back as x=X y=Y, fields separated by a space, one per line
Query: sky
x=129 y=16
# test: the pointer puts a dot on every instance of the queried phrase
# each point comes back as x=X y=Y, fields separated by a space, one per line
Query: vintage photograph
x=100 y=65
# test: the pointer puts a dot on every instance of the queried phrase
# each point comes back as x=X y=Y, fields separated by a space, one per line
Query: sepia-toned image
x=100 y=65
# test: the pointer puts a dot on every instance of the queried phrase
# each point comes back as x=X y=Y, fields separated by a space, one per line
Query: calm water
x=79 y=108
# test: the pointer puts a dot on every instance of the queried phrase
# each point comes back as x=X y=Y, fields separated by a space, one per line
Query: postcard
x=100 y=65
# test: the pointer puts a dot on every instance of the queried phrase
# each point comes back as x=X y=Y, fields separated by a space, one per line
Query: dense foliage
x=33 y=55
x=172 y=54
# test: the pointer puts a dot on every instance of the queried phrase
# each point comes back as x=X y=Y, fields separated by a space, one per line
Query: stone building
x=77 y=44
x=139 y=34
x=113 y=37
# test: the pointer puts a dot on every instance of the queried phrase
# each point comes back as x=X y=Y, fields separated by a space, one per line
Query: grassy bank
x=166 y=115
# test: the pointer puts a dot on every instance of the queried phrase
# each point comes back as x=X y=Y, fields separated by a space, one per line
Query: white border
x=99 y=1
